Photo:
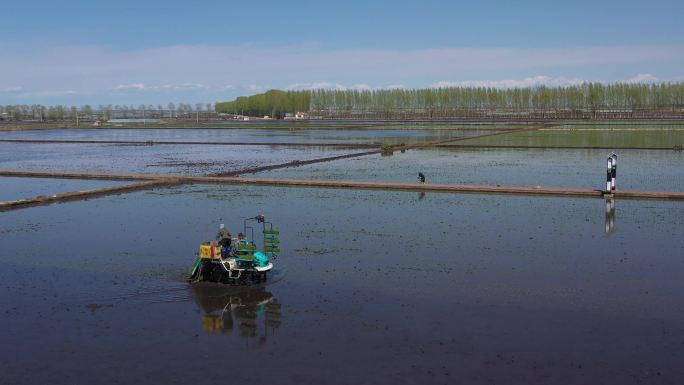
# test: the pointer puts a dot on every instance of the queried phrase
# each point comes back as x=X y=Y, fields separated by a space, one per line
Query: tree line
x=588 y=100
x=619 y=99
x=580 y=101
x=274 y=103
x=101 y=112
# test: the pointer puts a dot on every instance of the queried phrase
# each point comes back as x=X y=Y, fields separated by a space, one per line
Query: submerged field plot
x=170 y=159
x=294 y=134
x=571 y=168
x=18 y=188
x=616 y=138
x=451 y=286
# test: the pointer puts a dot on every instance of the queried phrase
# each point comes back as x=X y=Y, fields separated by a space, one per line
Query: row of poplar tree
x=587 y=97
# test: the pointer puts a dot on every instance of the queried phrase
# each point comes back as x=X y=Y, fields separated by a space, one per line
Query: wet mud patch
x=24 y=228
x=314 y=135
x=167 y=159
x=93 y=307
x=310 y=251
x=176 y=163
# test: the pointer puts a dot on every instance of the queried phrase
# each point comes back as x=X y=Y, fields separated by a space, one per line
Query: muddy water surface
x=648 y=170
x=378 y=135
x=371 y=287
x=154 y=159
x=621 y=138
x=22 y=188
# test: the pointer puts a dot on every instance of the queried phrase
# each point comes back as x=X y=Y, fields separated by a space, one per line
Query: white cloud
x=316 y=86
x=360 y=86
x=10 y=89
x=56 y=93
x=642 y=78
x=334 y=86
x=132 y=86
x=21 y=93
x=184 y=86
x=163 y=87
x=47 y=93
x=535 y=81
x=543 y=80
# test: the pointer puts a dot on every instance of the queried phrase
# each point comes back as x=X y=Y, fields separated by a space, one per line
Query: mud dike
x=171 y=142
x=160 y=181
x=150 y=181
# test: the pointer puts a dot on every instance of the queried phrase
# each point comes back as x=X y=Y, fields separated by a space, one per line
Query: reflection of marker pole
x=610 y=216
x=613 y=171
x=609 y=176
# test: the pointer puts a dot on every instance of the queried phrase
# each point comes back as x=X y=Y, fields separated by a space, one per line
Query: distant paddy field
x=586 y=137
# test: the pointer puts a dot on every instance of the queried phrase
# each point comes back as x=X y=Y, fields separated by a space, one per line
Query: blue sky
x=131 y=52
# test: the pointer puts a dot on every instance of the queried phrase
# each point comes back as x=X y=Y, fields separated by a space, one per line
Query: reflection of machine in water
x=252 y=311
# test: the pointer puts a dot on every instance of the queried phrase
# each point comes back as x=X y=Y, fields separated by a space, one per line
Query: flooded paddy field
x=166 y=159
x=639 y=124
x=587 y=137
x=371 y=287
x=572 y=168
x=295 y=134
x=18 y=188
